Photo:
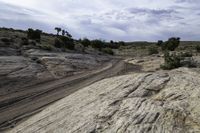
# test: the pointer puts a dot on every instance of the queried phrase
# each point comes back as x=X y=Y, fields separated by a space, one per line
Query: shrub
x=58 y=43
x=142 y=47
x=98 y=44
x=34 y=34
x=153 y=50
x=174 y=61
x=171 y=61
x=112 y=45
x=121 y=43
x=108 y=51
x=24 y=41
x=159 y=43
x=86 y=42
x=33 y=43
x=186 y=54
x=198 y=48
x=79 y=47
x=64 y=42
x=171 y=44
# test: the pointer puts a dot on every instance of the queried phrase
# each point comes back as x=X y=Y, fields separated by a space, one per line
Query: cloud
x=127 y=20
x=187 y=1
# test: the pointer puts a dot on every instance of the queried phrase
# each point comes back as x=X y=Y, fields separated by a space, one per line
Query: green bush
x=142 y=47
x=198 y=48
x=108 y=51
x=86 y=42
x=171 y=44
x=24 y=41
x=97 y=44
x=159 y=43
x=171 y=61
x=64 y=42
x=34 y=34
x=58 y=43
x=153 y=50
x=186 y=54
x=121 y=43
x=178 y=60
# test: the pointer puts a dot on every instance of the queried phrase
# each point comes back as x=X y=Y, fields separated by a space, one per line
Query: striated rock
x=17 y=72
x=160 y=102
x=148 y=63
x=38 y=66
x=8 y=51
x=20 y=75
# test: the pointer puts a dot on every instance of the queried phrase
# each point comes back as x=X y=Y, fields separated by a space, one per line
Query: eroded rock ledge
x=161 y=102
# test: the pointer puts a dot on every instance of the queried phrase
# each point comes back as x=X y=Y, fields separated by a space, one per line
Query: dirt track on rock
x=15 y=107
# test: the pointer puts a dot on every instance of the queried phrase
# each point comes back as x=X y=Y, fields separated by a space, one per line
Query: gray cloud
x=107 y=19
x=151 y=11
x=188 y=1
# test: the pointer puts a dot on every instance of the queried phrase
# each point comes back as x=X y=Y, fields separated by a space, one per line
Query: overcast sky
x=128 y=20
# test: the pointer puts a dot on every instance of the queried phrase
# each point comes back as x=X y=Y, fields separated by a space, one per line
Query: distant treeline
x=85 y=41
x=25 y=31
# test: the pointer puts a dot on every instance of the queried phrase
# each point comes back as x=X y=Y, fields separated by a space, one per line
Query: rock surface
x=148 y=63
x=38 y=66
x=160 y=102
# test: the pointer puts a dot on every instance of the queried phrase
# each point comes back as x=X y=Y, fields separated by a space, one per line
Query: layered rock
x=160 y=102
x=37 y=66
x=148 y=63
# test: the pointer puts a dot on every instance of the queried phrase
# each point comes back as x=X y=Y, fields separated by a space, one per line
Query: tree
x=153 y=50
x=58 y=30
x=198 y=48
x=98 y=44
x=159 y=43
x=86 y=42
x=68 y=35
x=171 y=61
x=121 y=43
x=171 y=44
x=64 y=42
x=63 y=32
x=108 y=51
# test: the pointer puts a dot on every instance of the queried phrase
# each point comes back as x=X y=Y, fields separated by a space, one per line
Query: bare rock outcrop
x=148 y=63
x=160 y=102
x=37 y=66
x=22 y=76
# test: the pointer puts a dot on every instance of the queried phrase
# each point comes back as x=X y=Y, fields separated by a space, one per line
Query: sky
x=127 y=20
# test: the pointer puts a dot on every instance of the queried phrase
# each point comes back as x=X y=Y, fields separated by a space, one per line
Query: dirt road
x=15 y=107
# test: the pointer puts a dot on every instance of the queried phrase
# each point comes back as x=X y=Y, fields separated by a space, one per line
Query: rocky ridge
x=160 y=102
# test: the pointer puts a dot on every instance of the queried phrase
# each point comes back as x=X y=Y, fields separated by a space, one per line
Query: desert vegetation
x=172 y=49
x=153 y=50
x=175 y=59
x=34 y=34
x=198 y=48
x=169 y=45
